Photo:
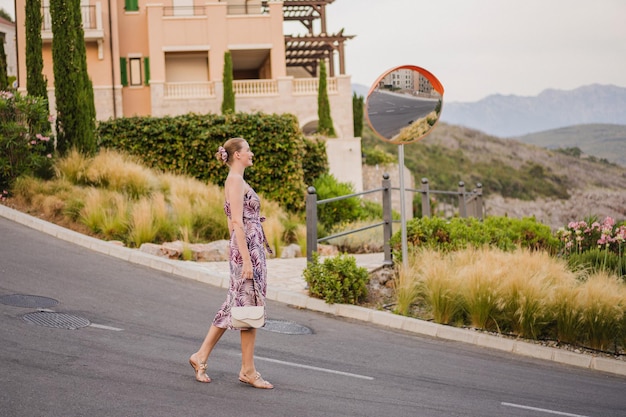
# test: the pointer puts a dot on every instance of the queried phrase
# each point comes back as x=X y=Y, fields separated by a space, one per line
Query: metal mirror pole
x=405 y=254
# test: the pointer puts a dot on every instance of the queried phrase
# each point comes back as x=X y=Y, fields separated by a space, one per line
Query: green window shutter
x=146 y=70
x=124 y=72
x=131 y=5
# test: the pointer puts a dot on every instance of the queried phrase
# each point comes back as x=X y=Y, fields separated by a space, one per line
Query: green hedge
x=459 y=233
x=187 y=144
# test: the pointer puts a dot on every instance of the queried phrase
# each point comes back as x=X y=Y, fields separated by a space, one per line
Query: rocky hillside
x=573 y=187
x=603 y=141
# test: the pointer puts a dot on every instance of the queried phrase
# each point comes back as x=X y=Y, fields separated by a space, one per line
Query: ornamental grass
x=525 y=293
x=115 y=197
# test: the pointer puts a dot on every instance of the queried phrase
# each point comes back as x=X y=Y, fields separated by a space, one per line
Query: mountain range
x=513 y=116
x=591 y=118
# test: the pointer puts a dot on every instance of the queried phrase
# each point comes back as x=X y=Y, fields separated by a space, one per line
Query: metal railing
x=311 y=218
x=470 y=205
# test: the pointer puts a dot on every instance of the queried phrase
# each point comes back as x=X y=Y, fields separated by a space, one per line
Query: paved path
x=286 y=285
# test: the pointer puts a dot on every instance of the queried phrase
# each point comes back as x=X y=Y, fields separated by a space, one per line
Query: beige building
x=166 y=57
x=7 y=36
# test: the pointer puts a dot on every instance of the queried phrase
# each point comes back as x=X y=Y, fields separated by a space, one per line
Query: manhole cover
x=285 y=327
x=57 y=320
x=29 y=301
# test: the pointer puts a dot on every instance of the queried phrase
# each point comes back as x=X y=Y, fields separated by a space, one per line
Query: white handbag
x=247 y=317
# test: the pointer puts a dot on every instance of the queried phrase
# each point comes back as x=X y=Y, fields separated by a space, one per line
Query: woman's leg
x=248 y=337
x=248 y=373
x=198 y=360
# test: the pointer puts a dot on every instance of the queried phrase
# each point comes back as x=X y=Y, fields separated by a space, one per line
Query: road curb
x=196 y=272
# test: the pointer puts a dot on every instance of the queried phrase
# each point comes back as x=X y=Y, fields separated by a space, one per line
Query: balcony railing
x=248 y=88
x=306 y=86
x=177 y=11
x=89 y=15
x=245 y=88
x=192 y=89
x=246 y=6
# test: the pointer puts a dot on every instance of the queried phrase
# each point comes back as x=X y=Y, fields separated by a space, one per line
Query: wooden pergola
x=306 y=50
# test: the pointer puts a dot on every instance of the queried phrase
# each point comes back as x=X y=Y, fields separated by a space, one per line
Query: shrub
x=186 y=144
x=315 y=161
x=345 y=210
x=337 y=279
x=378 y=156
x=459 y=233
x=26 y=146
x=594 y=245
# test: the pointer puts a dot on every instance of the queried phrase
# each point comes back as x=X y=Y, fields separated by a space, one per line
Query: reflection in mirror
x=404 y=104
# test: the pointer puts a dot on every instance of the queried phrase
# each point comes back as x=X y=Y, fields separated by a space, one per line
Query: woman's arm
x=235 y=192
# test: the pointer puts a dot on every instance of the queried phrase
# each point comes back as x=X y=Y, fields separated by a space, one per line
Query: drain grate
x=56 y=320
x=29 y=301
x=285 y=327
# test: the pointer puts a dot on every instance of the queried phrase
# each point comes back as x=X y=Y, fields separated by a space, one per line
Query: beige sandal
x=200 y=369
x=256 y=381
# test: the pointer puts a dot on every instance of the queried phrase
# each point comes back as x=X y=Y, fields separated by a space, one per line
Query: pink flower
x=49 y=156
x=42 y=137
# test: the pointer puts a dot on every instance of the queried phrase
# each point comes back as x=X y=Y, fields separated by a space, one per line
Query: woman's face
x=245 y=154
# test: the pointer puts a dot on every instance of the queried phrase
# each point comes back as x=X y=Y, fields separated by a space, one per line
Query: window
x=134 y=66
x=131 y=5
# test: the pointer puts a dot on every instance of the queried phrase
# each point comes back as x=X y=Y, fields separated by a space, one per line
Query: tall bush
x=36 y=83
x=325 y=122
x=228 y=102
x=75 y=123
x=357 y=114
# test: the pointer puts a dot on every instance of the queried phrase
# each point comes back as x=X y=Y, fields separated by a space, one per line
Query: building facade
x=7 y=36
x=167 y=58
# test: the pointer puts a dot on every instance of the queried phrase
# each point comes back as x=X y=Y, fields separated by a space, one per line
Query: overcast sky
x=482 y=47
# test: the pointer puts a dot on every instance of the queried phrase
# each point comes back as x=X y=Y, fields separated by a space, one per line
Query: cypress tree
x=325 y=123
x=36 y=83
x=228 y=102
x=4 y=77
x=73 y=89
x=357 y=114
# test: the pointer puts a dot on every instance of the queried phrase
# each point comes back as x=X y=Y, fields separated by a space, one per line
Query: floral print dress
x=241 y=292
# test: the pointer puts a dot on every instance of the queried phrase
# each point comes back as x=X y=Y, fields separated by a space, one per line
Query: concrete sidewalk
x=286 y=285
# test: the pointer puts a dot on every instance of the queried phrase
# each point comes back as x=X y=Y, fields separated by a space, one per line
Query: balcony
x=245 y=88
x=92 y=25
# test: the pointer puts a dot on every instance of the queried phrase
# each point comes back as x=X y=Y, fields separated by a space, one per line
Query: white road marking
x=542 y=410
x=102 y=326
x=315 y=368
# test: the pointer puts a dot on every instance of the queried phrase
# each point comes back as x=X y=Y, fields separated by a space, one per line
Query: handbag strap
x=255 y=293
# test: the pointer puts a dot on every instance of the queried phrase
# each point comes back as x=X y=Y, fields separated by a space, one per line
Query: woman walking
x=248 y=271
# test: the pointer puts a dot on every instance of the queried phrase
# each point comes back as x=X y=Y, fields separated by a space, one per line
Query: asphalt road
x=132 y=359
x=389 y=113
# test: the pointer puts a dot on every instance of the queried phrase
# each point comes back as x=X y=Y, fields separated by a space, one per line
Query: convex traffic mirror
x=404 y=104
